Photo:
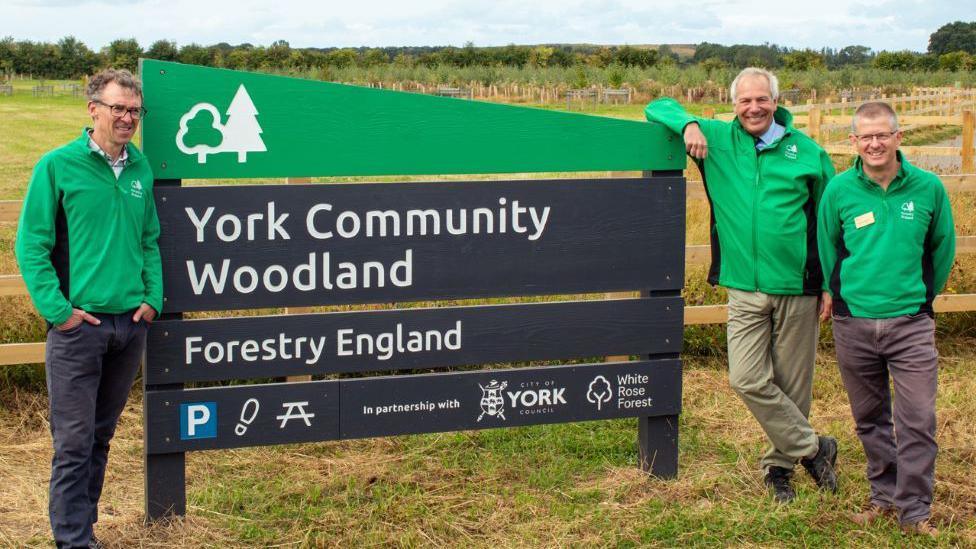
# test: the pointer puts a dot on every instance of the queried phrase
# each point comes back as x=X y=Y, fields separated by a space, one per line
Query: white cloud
x=888 y=24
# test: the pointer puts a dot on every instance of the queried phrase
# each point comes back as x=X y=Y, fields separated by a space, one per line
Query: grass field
x=560 y=485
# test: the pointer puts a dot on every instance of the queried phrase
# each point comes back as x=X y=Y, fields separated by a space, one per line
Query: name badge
x=864 y=220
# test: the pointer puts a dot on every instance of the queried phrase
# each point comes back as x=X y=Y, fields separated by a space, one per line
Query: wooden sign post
x=261 y=246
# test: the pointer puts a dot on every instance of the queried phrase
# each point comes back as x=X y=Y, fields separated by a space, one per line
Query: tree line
x=951 y=48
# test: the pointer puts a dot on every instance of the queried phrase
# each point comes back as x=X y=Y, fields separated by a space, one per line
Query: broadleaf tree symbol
x=241 y=134
x=599 y=392
x=200 y=149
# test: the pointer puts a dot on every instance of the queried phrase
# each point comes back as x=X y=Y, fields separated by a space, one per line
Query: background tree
x=163 y=50
x=279 y=52
x=74 y=59
x=666 y=56
x=123 y=53
x=854 y=55
x=36 y=59
x=374 y=57
x=630 y=56
x=8 y=50
x=802 y=60
x=895 y=60
x=195 y=54
x=341 y=59
x=539 y=56
x=952 y=37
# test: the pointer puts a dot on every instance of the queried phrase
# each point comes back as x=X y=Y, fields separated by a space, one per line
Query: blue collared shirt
x=774 y=132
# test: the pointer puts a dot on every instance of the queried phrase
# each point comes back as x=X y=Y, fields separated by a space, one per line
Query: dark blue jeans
x=90 y=370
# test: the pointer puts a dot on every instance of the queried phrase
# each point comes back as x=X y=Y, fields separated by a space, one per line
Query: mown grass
x=558 y=485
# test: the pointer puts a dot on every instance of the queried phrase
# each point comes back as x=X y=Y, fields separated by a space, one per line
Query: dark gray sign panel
x=250 y=415
x=507 y=398
x=273 y=346
x=235 y=247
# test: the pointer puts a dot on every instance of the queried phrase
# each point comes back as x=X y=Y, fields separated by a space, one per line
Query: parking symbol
x=198 y=420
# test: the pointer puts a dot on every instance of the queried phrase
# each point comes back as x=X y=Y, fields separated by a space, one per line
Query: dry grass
x=542 y=486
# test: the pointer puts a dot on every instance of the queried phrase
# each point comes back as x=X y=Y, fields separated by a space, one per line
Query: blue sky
x=879 y=24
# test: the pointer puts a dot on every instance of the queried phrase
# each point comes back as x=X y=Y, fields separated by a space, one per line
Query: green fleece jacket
x=886 y=253
x=764 y=203
x=87 y=239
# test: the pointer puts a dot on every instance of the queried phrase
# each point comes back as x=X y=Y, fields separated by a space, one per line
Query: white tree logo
x=241 y=134
x=599 y=392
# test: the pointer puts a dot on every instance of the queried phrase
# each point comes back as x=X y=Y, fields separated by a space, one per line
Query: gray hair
x=756 y=71
x=875 y=109
x=122 y=77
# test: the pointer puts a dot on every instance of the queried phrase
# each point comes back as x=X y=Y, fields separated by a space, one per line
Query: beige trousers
x=772 y=349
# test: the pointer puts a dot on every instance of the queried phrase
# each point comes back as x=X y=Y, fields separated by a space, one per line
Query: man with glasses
x=887 y=245
x=86 y=247
x=763 y=180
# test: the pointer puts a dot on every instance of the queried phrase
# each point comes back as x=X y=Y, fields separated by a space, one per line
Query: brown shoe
x=921 y=528
x=872 y=514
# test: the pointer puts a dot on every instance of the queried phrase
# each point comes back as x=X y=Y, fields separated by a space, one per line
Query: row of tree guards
x=514 y=92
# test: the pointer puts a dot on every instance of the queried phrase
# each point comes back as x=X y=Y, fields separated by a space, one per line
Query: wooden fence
x=27 y=353
x=955 y=109
x=950 y=104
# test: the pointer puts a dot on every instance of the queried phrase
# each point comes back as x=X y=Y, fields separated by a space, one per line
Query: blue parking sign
x=198 y=420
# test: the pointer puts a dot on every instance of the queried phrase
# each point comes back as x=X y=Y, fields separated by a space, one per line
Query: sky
x=878 y=24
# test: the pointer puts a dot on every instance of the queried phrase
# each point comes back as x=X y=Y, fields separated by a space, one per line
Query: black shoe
x=821 y=466
x=778 y=479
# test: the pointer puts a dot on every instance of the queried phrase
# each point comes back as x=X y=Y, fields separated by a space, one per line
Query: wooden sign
x=561 y=242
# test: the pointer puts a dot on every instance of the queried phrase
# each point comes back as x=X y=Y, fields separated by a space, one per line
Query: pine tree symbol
x=242 y=133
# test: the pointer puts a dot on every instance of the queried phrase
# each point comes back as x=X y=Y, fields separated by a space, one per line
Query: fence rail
x=819 y=119
x=33 y=353
x=30 y=353
x=814 y=116
x=937 y=96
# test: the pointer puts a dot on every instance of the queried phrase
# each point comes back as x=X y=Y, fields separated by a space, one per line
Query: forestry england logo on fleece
x=201 y=126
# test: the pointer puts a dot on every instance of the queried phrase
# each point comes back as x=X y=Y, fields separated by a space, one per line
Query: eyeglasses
x=118 y=111
x=882 y=137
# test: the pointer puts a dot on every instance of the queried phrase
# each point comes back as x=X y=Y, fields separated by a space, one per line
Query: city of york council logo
x=492 y=401
x=908 y=210
x=529 y=397
x=790 y=152
x=136 y=188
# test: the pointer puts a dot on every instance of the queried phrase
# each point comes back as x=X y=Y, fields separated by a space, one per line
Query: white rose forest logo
x=492 y=401
x=241 y=133
x=599 y=392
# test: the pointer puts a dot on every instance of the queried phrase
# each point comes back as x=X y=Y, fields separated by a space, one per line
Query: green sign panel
x=216 y=123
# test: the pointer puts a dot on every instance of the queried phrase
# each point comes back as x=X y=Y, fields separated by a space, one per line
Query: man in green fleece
x=86 y=246
x=887 y=245
x=763 y=180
